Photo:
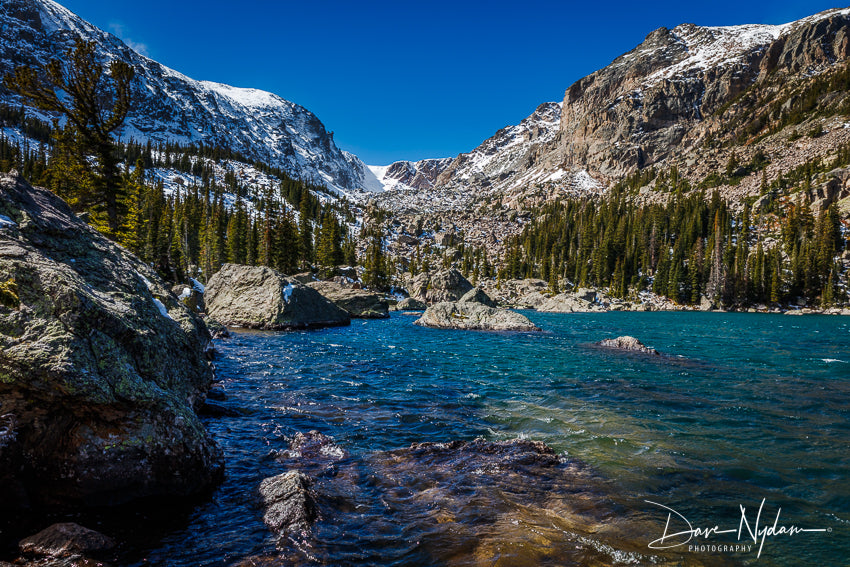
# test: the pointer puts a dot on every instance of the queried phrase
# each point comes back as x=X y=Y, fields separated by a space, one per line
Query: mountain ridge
x=173 y=107
x=652 y=103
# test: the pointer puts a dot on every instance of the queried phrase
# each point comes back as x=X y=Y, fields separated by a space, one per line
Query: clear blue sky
x=403 y=79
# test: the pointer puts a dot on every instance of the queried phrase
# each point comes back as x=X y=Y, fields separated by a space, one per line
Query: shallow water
x=744 y=407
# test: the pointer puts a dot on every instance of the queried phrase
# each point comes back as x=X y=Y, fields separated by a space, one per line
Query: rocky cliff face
x=648 y=103
x=170 y=106
x=101 y=367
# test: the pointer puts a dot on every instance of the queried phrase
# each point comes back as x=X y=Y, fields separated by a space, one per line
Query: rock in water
x=358 y=303
x=447 y=285
x=261 y=298
x=101 y=368
x=64 y=540
x=290 y=503
x=477 y=295
x=626 y=343
x=474 y=316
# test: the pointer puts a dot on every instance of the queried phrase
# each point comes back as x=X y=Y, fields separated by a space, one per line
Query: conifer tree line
x=692 y=246
x=188 y=232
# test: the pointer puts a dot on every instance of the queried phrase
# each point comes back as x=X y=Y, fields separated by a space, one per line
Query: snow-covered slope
x=410 y=175
x=504 y=165
x=170 y=106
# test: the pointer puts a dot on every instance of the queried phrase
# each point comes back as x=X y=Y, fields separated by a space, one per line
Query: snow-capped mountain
x=170 y=106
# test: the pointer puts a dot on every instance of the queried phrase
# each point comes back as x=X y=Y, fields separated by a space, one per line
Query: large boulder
x=474 y=316
x=446 y=285
x=358 y=303
x=570 y=303
x=477 y=295
x=410 y=304
x=522 y=294
x=262 y=298
x=101 y=367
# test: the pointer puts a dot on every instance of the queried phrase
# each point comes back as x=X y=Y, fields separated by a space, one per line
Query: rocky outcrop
x=407 y=175
x=358 y=303
x=262 y=298
x=477 y=295
x=569 y=303
x=446 y=285
x=289 y=501
x=101 y=368
x=409 y=304
x=522 y=294
x=644 y=106
x=474 y=316
x=626 y=343
x=66 y=540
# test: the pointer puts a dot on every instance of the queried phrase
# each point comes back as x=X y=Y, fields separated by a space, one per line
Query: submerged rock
x=512 y=502
x=474 y=316
x=627 y=343
x=446 y=285
x=65 y=540
x=261 y=298
x=358 y=303
x=312 y=453
x=315 y=446
x=101 y=368
x=491 y=457
x=410 y=304
x=289 y=501
x=477 y=295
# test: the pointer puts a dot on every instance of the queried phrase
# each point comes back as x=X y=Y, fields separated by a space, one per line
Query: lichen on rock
x=99 y=385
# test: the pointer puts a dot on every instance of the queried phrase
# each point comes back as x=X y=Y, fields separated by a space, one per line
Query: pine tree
x=287 y=244
x=305 y=230
x=95 y=104
x=376 y=272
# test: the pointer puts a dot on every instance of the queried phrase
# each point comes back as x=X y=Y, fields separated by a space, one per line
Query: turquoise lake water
x=742 y=407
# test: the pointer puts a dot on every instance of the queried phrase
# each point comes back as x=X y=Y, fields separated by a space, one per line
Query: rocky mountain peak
x=647 y=102
x=172 y=107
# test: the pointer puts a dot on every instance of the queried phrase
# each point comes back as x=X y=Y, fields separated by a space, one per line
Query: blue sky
x=408 y=80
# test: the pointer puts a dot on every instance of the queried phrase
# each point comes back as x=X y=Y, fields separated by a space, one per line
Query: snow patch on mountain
x=716 y=47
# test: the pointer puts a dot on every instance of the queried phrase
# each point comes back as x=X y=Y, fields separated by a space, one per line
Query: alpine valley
x=754 y=114
x=158 y=234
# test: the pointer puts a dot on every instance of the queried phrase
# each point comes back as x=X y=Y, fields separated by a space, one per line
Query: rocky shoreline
x=534 y=294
